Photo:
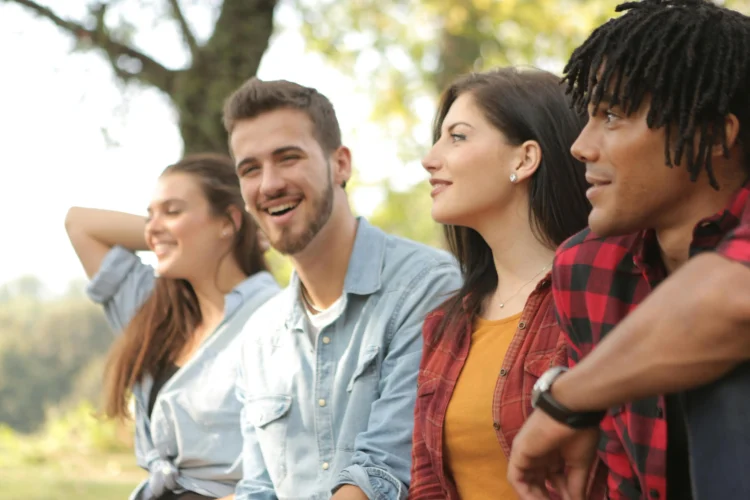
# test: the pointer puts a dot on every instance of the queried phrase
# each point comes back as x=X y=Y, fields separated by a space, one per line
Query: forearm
x=108 y=227
x=349 y=492
x=690 y=331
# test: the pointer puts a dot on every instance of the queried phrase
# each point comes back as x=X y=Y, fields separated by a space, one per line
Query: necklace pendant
x=502 y=305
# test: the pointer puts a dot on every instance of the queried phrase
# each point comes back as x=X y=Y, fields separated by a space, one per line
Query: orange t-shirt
x=473 y=455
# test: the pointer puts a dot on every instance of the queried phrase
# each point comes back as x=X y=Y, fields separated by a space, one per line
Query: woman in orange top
x=508 y=191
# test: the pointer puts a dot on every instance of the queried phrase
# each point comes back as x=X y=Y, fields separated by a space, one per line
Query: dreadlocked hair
x=690 y=56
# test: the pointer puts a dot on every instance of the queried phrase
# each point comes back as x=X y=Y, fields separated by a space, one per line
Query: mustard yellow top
x=475 y=460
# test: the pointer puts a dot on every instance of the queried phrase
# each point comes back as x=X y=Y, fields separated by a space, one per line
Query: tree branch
x=187 y=33
x=151 y=72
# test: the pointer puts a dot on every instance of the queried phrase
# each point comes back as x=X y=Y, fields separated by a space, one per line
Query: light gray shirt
x=192 y=441
x=339 y=409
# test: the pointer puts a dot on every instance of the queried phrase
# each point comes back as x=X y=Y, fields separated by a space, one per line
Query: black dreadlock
x=691 y=57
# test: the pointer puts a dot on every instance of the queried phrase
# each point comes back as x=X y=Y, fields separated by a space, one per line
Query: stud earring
x=513 y=178
x=225 y=233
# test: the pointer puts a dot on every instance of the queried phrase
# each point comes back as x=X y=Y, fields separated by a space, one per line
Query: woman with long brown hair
x=180 y=322
x=508 y=191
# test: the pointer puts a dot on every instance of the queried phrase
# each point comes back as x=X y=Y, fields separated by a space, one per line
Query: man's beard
x=290 y=244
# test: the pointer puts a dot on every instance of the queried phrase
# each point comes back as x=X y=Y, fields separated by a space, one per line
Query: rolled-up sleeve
x=121 y=286
x=381 y=463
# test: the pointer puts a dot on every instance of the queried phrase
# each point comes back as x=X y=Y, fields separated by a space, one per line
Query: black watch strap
x=577 y=420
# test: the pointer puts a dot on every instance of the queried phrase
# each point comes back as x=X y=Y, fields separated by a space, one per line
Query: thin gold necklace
x=502 y=304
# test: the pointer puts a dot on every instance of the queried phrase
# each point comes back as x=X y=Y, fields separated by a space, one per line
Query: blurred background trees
x=400 y=53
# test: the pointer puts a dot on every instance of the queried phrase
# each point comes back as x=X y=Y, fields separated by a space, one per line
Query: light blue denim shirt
x=341 y=411
x=192 y=440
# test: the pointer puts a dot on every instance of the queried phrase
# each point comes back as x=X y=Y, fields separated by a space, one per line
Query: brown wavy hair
x=166 y=321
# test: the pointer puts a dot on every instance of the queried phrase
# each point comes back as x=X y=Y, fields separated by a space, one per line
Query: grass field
x=104 y=477
x=75 y=457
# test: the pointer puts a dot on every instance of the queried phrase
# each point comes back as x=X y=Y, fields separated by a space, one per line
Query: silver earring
x=513 y=178
x=225 y=233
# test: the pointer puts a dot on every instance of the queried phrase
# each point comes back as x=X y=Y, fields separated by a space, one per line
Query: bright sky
x=67 y=137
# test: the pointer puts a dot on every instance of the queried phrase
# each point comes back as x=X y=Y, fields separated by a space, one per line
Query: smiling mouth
x=280 y=210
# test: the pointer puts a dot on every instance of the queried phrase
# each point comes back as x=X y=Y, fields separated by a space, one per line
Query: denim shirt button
x=496 y=425
x=503 y=372
x=321 y=402
x=325 y=466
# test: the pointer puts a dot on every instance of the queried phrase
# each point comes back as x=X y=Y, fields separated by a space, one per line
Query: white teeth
x=281 y=208
x=161 y=248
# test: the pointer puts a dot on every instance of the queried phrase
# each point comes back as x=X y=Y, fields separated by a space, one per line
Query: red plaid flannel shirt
x=536 y=346
x=596 y=283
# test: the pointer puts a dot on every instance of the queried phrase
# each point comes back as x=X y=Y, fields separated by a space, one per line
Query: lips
x=597 y=181
x=163 y=248
x=598 y=184
x=280 y=205
x=282 y=209
x=438 y=186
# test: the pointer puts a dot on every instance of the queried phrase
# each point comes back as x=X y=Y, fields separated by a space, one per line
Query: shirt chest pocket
x=430 y=423
x=266 y=414
x=367 y=369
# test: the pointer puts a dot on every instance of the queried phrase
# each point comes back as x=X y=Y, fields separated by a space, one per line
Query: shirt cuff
x=114 y=268
x=376 y=483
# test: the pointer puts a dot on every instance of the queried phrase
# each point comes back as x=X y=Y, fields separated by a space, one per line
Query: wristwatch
x=542 y=399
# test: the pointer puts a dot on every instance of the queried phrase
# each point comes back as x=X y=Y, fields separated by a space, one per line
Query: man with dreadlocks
x=668 y=82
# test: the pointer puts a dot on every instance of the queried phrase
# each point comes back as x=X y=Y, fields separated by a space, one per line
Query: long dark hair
x=166 y=321
x=525 y=105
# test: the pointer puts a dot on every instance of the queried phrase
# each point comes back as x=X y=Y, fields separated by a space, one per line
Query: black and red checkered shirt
x=596 y=283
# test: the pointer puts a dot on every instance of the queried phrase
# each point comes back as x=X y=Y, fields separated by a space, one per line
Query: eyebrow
x=454 y=125
x=276 y=152
x=606 y=99
x=164 y=202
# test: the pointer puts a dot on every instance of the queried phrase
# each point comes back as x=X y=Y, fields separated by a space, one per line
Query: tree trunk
x=230 y=57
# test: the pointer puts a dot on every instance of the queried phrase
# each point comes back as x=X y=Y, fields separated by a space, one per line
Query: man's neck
x=322 y=265
x=674 y=240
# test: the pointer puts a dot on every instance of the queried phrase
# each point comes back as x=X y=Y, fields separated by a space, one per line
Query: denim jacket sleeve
x=255 y=483
x=381 y=462
x=122 y=285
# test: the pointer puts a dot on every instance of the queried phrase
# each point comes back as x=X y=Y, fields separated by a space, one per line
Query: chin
x=604 y=225
x=168 y=269
x=443 y=217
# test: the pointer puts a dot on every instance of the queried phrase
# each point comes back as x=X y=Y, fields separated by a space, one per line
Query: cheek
x=249 y=190
x=196 y=233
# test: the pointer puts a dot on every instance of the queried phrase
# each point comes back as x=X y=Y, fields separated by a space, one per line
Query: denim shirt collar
x=363 y=274
x=245 y=290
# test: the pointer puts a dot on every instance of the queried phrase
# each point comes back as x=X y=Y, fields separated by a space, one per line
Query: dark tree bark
x=230 y=56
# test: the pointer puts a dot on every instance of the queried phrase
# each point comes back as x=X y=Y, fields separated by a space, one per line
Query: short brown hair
x=256 y=97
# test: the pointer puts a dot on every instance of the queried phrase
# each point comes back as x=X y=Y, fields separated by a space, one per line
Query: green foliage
x=405 y=53
x=75 y=455
x=44 y=350
x=407 y=214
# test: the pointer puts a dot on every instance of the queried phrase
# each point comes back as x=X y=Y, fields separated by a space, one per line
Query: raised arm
x=93 y=233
